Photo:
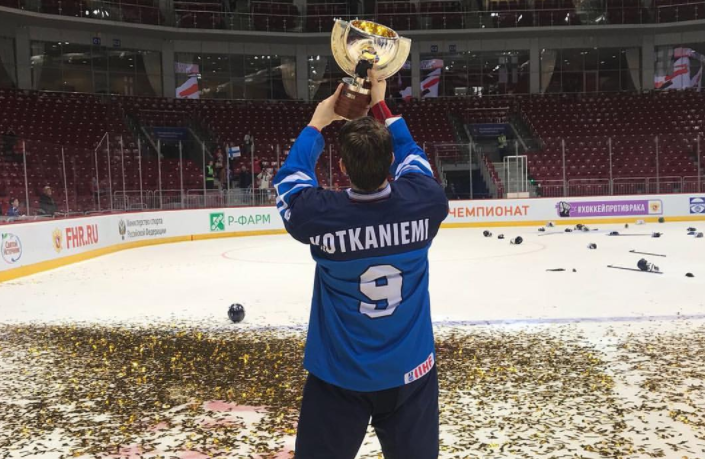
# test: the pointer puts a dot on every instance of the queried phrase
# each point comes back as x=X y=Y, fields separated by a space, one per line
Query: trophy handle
x=399 y=59
x=354 y=101
x=338 y=40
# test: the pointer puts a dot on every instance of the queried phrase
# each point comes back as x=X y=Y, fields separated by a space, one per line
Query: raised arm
x=408 y=156
x=299 y=170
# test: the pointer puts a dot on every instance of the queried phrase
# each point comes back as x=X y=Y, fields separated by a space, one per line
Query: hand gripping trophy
x=358 y=46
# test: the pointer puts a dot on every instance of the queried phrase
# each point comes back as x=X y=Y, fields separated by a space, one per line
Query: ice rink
x=637 y=339
x=473 y=279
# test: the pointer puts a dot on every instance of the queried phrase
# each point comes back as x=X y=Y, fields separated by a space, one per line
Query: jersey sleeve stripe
x=410 y=168
x=295 y=177
x=416 y=163
x=392 y=120
x=286 y=197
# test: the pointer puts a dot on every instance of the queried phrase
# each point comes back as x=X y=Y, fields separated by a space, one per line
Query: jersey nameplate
x=373 y=237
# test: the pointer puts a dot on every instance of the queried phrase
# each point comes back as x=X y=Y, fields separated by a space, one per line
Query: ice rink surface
x=473 y=279
x=479 y=285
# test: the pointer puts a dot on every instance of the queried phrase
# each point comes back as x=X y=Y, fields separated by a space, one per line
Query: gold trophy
x=358 y=46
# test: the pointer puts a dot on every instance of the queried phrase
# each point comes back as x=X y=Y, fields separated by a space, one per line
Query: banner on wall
x=636 y=207
x=189 y=90
x=679 y=68
x=492 y=130
x=170 y=133
x=429 y=85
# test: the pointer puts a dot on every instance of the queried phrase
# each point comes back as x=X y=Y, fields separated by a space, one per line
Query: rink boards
x=31 y=247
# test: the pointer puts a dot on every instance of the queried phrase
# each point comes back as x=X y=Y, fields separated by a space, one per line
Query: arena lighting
x=99 y=12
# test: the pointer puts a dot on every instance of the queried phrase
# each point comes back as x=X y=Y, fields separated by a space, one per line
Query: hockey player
x=369 y=349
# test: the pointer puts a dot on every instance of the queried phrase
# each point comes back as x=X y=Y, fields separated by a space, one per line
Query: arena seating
x=399 y=15
x=679 y=10
x=631 y=121
x=64 y=7
x=76 y=122
x=274 y=16
x=320 y=16
x=204 y=14
x=626 y=12
x=494 y=175
x=442 y=14
x=585 y=123
x=58 y=118
x=139 y=11
x=284 y=16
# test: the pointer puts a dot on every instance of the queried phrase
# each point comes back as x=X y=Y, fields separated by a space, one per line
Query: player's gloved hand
x=325 y=113
x=379 y=88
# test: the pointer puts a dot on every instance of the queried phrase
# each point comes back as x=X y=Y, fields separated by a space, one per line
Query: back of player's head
x=366 y=148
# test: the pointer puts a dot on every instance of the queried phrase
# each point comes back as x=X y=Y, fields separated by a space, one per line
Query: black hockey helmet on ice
x=236 y=312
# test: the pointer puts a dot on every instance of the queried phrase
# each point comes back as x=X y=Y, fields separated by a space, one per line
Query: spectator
x=244 y=178
x=219 y=166
x=47 y=206
x=257 y=166
x=451 y=193
x=14 y=210
x=502 y=146
x=265 y=179
x=265 y=183
x=210 y=176
x=248 y=145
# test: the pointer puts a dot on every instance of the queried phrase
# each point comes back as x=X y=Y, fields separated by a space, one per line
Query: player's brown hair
x=366 y=148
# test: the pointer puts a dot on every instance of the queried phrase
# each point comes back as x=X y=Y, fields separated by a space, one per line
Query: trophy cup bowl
x=358 y=46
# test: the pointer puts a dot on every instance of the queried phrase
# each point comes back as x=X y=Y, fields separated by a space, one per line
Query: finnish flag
x=233 y=152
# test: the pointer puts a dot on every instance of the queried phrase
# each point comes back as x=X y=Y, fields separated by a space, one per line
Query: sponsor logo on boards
x=10 y=248
x=697 y=205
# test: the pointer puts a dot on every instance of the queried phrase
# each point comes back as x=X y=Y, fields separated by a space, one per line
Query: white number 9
x=382 y=285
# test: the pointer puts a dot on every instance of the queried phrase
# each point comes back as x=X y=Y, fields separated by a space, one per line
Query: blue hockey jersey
x=370 y=325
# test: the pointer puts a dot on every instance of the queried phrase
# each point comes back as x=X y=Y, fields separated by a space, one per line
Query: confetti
x=189 y=392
